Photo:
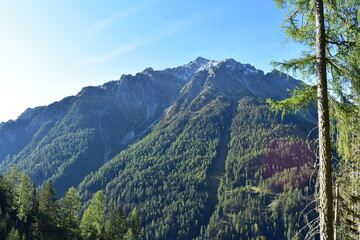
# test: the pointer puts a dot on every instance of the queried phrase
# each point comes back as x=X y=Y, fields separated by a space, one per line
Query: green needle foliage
x=135 y=224
x=27 y=198
x=116 y=223
x=48 y=211
x=70 y=206
x=300 y=98
x=342 y=67
x=47 y=218
x=94 y=217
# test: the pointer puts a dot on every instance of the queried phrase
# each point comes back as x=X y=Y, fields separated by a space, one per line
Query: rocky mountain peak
x=119 y=112
x=200 y=61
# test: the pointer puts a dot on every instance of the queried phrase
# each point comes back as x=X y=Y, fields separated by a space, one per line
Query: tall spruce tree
x=115 y=224
x=48 y=219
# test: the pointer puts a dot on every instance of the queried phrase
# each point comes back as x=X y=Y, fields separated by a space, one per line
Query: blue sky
x=51 y=49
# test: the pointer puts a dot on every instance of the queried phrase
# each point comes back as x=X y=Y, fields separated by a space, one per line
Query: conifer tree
x=13 y=177
x=69 y=208
x=14 y=234
x=4 y=195
x=121 y=223
x=135 y=223
x=110 y=224
x=335 y=30
x=326 y=213
x=87 y=227
x=93 y=219
x=48 y=218
x=115 y=224
x=26 y=198
x=129 y=235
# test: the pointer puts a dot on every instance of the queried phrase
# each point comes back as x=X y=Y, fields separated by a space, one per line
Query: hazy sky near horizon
x=51 y=49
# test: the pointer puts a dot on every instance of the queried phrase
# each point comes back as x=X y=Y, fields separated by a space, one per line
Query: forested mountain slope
x=68 y=139
x=194 y=148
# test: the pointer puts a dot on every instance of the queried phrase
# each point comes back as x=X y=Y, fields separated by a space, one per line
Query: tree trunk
x=326 y=213
x=336 y=218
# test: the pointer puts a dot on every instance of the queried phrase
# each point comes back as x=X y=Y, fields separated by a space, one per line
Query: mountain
x=195 y=148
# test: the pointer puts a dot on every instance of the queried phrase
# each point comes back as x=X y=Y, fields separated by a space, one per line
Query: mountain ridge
x=163 y=141
x=138 y=102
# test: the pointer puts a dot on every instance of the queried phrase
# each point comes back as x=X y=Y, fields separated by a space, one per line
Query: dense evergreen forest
x=26 y=213
x=222 y=173
x=214 y=163
x=218 y=165
x=265 y=193
x=200 y=151
x=197 y=152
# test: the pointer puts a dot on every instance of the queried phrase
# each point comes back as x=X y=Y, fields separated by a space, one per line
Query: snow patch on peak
x=250 y=68
x=197 y=63
x=185 y=72
x=208 y=65
x=229 y=61
x=231 y=64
